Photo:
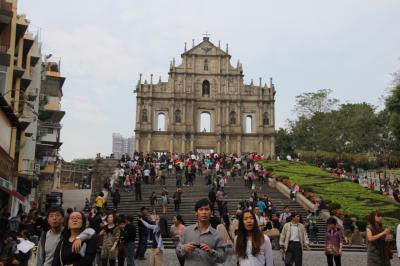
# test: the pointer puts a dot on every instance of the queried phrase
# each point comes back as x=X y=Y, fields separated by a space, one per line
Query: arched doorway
x=161 y=122
x=205 y=122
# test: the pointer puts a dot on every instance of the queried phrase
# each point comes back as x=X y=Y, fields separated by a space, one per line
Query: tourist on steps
x=225 y=230
x=64 y=254
x=333 y=242
x=159 y=230
x=251 y=246
x=176 y=230
x=111 y=234
x=378 y=237
x=201 y=244
x=293 y=240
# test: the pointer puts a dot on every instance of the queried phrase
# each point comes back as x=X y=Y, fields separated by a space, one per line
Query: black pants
x=177 y=205
x=294 y=253
x=110 y=261
x=141 y=250
x=138 y=194
x=331 y=258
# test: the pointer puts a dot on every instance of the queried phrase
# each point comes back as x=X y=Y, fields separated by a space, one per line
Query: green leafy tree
x=310 y=103
x=393 y=109
x=284 y=143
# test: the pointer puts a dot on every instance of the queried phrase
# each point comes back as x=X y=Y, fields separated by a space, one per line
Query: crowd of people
x=102 y=235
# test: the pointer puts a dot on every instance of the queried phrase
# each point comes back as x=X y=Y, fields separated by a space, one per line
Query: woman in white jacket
x=252 y=247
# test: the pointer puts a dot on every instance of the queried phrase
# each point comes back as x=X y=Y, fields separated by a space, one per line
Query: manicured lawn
x=354 y=199
x=394 y=171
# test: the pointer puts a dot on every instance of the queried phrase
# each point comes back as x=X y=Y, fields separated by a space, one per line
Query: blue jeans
x=141 y=250
x=129 y=249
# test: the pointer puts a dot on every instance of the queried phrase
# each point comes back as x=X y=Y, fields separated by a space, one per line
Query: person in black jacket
x=116 y=198
x=63 y=254
x=128 y=236
x=143 y=234
x=212 y=196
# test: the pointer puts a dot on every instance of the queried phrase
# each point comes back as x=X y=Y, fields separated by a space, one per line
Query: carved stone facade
x=205 y=82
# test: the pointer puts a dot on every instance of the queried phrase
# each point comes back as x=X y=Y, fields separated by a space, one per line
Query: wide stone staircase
x=236 y=192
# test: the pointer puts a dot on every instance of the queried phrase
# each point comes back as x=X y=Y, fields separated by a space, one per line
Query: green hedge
x=352 y=198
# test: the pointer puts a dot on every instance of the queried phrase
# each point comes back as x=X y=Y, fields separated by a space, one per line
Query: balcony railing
x=3 y=48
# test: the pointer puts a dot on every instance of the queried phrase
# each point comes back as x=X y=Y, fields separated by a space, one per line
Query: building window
x=206 y=88
x=205 y=65
x=205 y=122
x=249 y=124
x=232 y=118
x=161 y=122
x=178 y=118
x=266 y=119
x=3 y=79
x=144 y=115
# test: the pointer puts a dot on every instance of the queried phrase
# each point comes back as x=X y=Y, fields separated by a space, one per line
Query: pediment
x=206 y=48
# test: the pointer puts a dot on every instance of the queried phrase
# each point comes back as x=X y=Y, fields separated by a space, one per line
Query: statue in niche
x=178 y=118
x=232 y=118
x=144 y=115
x=266 y=119
x=206 y=88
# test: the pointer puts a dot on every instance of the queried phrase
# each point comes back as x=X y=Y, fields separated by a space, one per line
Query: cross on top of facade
x=206 y=35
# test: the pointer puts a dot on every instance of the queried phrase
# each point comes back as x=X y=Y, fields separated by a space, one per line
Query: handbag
x=271 y=233
x=331 y=249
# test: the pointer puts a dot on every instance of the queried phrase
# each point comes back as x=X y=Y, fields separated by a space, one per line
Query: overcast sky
x=348 y=46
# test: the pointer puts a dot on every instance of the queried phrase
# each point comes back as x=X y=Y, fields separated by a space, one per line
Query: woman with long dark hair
x=252 y=247
x=378 y=252
x=63 y=254
x=225 y=230
x=160 y=231
x=176 y=230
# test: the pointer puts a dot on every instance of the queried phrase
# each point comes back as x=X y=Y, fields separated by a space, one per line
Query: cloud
x=82 y=108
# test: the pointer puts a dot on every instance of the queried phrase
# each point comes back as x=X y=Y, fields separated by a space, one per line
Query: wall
x=5 y=132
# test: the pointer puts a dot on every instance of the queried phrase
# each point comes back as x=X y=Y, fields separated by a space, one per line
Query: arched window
x=205 y=65
x=144 y=115
x=232 y=118
x=206 y=88
x=178 y=118
x=205 y=122
x=266 y=119
x=249 y=124
x=161 y=122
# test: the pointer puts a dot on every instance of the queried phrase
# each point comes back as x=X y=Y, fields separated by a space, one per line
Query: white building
x=121 y=145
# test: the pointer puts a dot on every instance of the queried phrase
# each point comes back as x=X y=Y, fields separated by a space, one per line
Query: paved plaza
x=310 y=258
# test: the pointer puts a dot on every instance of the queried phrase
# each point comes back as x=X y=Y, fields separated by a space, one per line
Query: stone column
x=183 y=143
x=137 y=142
x=227 y=122
x=192 y=143
x=261 y=143
x=227 y=144
x=148 y=143
x=218 y=145
x=239 y=145
x=272 y=148
x=261 y=116
x=171 y=143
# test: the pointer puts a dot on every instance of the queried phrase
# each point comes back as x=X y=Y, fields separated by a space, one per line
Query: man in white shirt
x=293 y=240
x=260 y=219
x=284 y=216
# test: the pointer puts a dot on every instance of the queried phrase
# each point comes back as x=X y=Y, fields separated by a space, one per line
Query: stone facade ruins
x=205 y=106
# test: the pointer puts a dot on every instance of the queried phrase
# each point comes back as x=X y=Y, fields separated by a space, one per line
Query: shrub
x=362 y=225
x=334 y=206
